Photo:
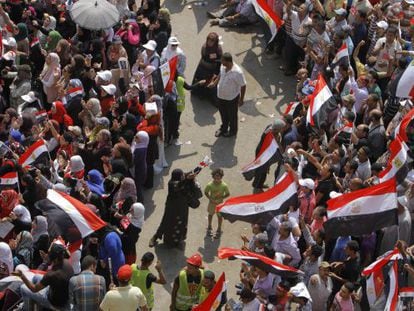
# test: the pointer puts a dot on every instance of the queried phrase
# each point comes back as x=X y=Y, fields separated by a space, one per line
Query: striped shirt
x=86 y=291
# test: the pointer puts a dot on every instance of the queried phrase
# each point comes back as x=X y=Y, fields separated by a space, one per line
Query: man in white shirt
x=231 y=88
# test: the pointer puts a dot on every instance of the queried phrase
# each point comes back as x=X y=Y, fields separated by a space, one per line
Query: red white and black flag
x=163 y=76
x=293 y=109
x=269 y=153
x=261 y=207
x=68 y=217
x=273 y=21
x=340 y=54
x=321 y=103
x=9 y=180
x=214 y=299
x=363 y=211
x=33 y=153
x=401 y=129
x=397 y=162
x=405 y=86
x=262 y=262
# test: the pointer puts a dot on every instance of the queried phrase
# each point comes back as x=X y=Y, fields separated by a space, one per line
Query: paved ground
x=267 y=91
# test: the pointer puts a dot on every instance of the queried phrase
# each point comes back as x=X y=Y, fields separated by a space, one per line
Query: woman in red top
x=151 y=125
x=9 y=199
x=59 y=114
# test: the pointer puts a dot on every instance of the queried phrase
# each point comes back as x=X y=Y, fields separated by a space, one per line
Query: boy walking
x=216 y=191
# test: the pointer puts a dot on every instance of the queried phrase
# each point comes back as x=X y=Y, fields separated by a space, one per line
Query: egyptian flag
x=321 y=103
x=33 y=153
x=273 y=21
x=41 y=116
x=401 y=129
x=9 y=180
x=213 y=300
x=163 y=76
x=293 y=109
x=397 y=162
x=269 y=153
x=363 y=211
x=340 y=54
x=405 y=86
x=68 y=217
x=376 y=274
x=261 y=207
x=262 y=262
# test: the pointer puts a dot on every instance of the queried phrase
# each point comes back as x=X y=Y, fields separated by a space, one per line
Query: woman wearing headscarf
x=52 y=40
x=22 y=248
x=50 y=76
x=22 y=39
x=59 y=114
x=6 y=260
x=115 y=52
x=134 y=221
x=173 y=50
x=8 y=200
x=40 y=239
x=91 y=110
x=139 y=150
x=64 y=51
x=20 y=218
x=49 y=24
x=160 y=31
x=182 y=192
x=123 y=152
x=73 y=100
x=130 y=36
x=209 y=64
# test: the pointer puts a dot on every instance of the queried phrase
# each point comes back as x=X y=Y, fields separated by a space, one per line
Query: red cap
x=195 y=260
x=125 y=273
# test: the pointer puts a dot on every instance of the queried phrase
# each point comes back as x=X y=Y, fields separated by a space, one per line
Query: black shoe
x=219 y=133
x=229 y=134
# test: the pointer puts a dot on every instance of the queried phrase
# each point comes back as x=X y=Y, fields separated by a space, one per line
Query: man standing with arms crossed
x=231 y=88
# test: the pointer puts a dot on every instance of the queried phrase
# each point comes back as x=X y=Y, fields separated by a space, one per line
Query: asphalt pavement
x=268 y=91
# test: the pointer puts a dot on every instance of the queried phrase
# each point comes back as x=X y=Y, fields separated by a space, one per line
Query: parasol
x=94 y=14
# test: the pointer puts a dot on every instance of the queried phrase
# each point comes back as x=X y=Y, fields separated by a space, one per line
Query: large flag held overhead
x=269 y=153
x=68 y=217
x=397 y=162
x=405 y=86
x=261 y=207
x=262 y=262
x=163 y=76
x=213 y=300
x=362 y=211
x=273 y=21
x=321 y=103
x=401 y=129
x=33 y=153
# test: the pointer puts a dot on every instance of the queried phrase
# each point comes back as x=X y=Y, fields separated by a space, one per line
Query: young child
x=216 y=191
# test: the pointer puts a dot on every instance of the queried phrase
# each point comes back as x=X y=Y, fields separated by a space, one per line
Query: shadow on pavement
x=209 y=251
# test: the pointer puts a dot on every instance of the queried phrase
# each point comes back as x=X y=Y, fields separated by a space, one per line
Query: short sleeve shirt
x=127 y=298
x=230 y=82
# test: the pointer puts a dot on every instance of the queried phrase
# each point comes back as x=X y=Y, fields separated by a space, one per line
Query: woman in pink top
x=318 y=219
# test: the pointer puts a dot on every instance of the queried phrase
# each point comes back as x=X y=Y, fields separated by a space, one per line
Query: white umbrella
x=94 y=14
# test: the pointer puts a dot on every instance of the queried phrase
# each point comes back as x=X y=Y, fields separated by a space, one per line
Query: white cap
x=308 y=183
x=150 y=45
x=76 y=164
x=10 y=42
x=110 y=89
x=383 y=25
x=105 y=75
x=340 y=11
x=173 y=41
x=29 y=97
x=151 y=108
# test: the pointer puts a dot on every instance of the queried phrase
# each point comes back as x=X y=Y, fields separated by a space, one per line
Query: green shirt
x=216 y=192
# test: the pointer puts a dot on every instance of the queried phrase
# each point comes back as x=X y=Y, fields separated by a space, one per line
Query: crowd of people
x=91 y=99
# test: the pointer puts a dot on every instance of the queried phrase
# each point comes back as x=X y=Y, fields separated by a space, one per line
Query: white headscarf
x=6 y=256
x=48 y=72
x=41 y=227
x=142 y=143
x=136 y=215
x=22 y=213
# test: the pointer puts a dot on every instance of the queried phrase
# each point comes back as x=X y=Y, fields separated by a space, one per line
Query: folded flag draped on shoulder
x=9 y=180
x=401 y=129
x=68 y=217
x=261 y=207
x=378 y=282
x=321 y=103
x=363 y=211
x=262 y=262
x=213 y=300
x=405 y=86
x=340 y=54
x=269 y=153
x=273 y=21
x=397 y=162
x=163 y=76
x=33 y=153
